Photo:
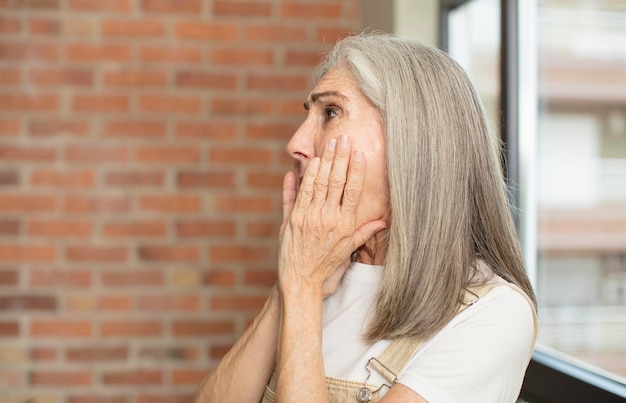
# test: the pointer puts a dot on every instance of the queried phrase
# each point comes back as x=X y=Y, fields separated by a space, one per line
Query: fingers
x=289 y=194
x=354 y=183
x=326 y=165
x=337 y=178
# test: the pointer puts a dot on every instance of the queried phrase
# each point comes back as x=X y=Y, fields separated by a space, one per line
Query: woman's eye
x=330 y=112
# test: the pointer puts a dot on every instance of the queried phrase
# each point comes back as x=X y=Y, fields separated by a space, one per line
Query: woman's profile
x=400 y=277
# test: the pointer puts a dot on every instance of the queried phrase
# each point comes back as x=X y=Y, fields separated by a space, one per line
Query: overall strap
x=395 y=357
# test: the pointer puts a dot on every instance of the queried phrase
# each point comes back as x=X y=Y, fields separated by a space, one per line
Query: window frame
x=551 y=377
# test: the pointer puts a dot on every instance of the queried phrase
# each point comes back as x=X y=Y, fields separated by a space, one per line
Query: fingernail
x=358 y=155
x=343 y=141
x=331 y=144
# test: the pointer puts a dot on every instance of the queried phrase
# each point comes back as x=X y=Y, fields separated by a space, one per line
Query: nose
x=301 y=146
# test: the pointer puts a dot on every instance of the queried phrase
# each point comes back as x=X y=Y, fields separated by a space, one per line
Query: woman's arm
x=315 y=250
x=243 y=373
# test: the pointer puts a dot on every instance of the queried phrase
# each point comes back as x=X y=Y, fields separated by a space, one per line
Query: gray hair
x=448 y=198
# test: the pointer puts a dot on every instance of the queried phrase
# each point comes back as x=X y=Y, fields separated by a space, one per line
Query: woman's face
x=336 y=106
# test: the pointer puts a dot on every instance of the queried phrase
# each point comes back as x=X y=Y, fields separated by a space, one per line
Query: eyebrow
x=317 y=95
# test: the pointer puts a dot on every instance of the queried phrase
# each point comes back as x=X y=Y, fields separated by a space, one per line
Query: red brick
x=219 y=278
x=27 y=203
x=170 y=104
x=242 y=57
x=170 y=253
x=199 y=228
x=206 y=130
x=204 y=80
x=242 y=106
x=65 y=77
x=135 y=128
x=27 y=153
x=59 y=228
x=101 y=103
x=177 y=54
x=138 y=377
x=88 y=253
x=44 y=26
x=133 y=28
x=165 y=398
x=263 y=229
x=245 y=204
x=9 y=227
x=172 y=6
x=170 y=204
x=98 y=53
x=8 y=277
x=310 y=11
x=28 y=303
x=165 y=353
x=237 y=302
x=196 y=328
x=29 y=51
x=60 y=278
x=61 y=328
x=303 y=58
x=132 y=328
x=96 y=204
x=134 y=178
x=132 y=278
x=120 y=303
x=238 y=253
x=293 y=108
x=97 y=353
x=170 y=303
x=96 y=154
x=330 y=36
x=33 y=4
x=206 y=31
x=265 y=180
x=43 y=354
x=28 y=102
x=274 y=34
x=251 y=155
x=9 y=328
x=56 y=127
x=271 y=131
x=10 y=127
x=10 y=76
x=100 y=398
x=9 y=178
x=260 y=277
x=57 y=179
x=190 y=377
x=121 y=6
x=278 y=82
x=27 y=253
x=61 y=378
x=10 y=25
x=134 y=229
x=206 y=179
x=138 y=78
x=218 y=352
x=168 y=155
x=242 y=8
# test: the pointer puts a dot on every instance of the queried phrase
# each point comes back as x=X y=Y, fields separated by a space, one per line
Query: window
x=561 y=93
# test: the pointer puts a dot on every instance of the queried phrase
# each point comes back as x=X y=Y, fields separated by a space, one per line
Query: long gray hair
x=448 y=199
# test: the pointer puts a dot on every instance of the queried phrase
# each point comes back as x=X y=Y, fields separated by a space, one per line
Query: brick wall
x=141 y=156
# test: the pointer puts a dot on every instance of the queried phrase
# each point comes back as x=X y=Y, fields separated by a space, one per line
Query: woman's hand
x=320 y=230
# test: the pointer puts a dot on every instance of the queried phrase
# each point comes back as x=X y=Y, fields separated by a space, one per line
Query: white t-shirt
x=479 y=356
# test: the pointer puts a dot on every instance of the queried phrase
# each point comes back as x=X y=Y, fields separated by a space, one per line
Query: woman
x=400 y=276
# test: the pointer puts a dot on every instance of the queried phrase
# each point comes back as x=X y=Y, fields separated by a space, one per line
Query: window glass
x=474 y=42
x=581 y=180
